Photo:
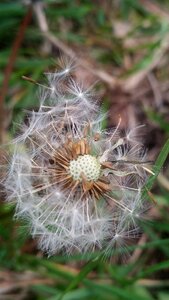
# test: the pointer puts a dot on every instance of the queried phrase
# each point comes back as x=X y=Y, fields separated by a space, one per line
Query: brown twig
x=12 y=280
x=43 y=26
x=104 y=76
x=137 y=253
x=42 y=23
x=155 y=86
x=15 y=47
x=153 y=213
x=113 y=82
x=152 y=282
x=155 y=9
x=134 y=80
x=164 y=181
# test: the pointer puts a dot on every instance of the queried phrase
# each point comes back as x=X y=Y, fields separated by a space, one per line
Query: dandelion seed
x=76 y=184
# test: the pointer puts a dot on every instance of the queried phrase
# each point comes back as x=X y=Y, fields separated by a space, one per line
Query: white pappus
x=78 y=185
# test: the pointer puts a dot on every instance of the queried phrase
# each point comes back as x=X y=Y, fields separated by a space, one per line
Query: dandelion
x=77 y=185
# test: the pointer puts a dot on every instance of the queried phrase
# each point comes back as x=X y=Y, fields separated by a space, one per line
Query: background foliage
x=124 y=44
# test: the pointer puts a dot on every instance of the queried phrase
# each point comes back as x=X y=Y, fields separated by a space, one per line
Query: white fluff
x=62 y=220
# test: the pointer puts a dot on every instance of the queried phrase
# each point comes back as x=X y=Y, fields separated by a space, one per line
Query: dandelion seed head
x=86 y=165
x=77 y=184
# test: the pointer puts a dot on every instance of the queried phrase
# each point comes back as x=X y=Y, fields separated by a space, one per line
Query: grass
x=88 y=28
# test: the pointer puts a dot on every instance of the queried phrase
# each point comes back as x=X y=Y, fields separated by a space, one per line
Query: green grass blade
x=81 y=275
x=154 y=268
x=157 y=167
